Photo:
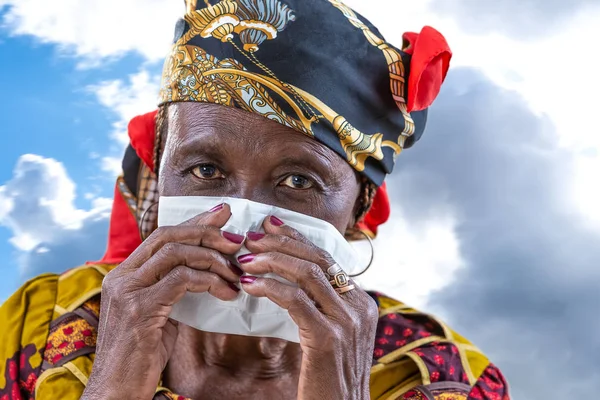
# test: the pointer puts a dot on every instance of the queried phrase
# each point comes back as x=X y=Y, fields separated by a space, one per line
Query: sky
x=495 y=223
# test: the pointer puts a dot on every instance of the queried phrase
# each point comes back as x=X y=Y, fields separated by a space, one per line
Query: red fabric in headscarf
x=123 y=232
x=142 y=132
x=428 y=66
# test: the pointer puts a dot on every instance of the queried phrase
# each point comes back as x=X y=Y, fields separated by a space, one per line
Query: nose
x=248 y=186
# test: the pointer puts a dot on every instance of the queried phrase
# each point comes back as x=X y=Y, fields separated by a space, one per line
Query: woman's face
x=213 y=150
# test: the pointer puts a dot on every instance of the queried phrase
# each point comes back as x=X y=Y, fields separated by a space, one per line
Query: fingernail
x=217 y=208
x=236 y=270
x=255 y=235
x=247 y=279
x=276 y=221
x=246 y=258
x=232 y=237
x=233 y=287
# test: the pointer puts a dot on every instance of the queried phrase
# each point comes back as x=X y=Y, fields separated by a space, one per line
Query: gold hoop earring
x=143 y=227
x=358 y=231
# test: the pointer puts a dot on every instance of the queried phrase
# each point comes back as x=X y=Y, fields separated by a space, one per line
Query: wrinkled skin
x=218 y=151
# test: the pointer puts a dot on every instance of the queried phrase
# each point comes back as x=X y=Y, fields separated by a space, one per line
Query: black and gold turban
x=314 y=66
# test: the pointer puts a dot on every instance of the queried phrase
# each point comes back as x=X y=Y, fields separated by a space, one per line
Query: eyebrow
x=192 y=144
x=201 y=143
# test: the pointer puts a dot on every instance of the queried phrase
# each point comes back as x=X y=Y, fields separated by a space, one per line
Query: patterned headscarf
x=314 y=66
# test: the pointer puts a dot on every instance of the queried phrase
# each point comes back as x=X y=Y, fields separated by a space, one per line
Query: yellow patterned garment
x=49 y=330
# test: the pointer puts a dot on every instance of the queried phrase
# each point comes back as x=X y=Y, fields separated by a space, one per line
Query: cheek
x=340 y=208
x=171 y=183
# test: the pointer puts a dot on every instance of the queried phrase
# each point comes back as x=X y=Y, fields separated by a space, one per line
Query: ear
x=358 y=204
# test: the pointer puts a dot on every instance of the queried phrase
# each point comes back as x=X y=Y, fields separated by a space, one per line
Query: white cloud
x=414 y=260
x=556 y=74
x=125 y=99
x=40 y=198
x=95 y=30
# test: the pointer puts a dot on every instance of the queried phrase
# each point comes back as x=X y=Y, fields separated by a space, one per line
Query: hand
x=337 y=331
x=135 y=335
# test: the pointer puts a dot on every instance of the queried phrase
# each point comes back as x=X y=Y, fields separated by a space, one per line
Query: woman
x=269 y=102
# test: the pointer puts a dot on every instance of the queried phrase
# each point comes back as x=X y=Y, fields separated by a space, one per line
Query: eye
x=206 y=171
x=297 y=182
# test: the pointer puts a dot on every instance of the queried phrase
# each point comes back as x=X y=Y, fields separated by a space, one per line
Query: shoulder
x=36 y=316
x=25 y=318
x=417 y=354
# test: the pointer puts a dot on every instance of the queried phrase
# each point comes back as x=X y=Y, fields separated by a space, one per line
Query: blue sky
x=50 y=110
x=494 y=211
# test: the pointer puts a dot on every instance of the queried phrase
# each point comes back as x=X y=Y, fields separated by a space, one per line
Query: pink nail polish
x=217 y=208
x=246 y=258
x=255 y=235
x=247 y=279
x=232 y=237
x=276 y=221
x=233 y=287
x=236 y=270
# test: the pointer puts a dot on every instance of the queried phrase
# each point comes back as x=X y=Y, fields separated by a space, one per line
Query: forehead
x=226 y=130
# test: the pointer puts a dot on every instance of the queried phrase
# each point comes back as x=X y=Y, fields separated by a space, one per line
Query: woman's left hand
x=337 y=331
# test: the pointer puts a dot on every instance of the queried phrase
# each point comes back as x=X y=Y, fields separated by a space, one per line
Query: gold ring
x=344 y=289
x=339 y=279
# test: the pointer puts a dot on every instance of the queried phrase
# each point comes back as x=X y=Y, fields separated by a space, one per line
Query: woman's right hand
x=135 y=335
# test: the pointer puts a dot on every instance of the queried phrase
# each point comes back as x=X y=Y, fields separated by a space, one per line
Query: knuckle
x=274 y=257
x=135 y=309
x=214 y=257
x=295 y=234
x=314 y=272
x=169 y=249
x=112 y=285
x=346 y=316
x=336 y=335
x=159 y=236
x=160 y=232
x=355 y=319
x=202 y=232
x=284 y=240
x=213 y=279
x=324 y=259
x=372 y=310
x=107 y=286
x=299 y=299
x=178 y=273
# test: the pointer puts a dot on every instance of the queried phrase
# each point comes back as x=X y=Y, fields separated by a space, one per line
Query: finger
x=202 y=230
x=309 y=276
x=182 y=279
x=287 y=240
x=172 y=255
x=301 y=308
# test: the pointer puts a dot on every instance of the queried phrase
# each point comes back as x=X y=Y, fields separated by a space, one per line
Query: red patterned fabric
x=395 y=331
x=72 y=335
x=408 y=332
x=443 y=362
x=20 y=376
x=491 y=385
x=414 y=394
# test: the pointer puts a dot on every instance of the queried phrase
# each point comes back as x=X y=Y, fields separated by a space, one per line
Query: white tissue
x=248 y=315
